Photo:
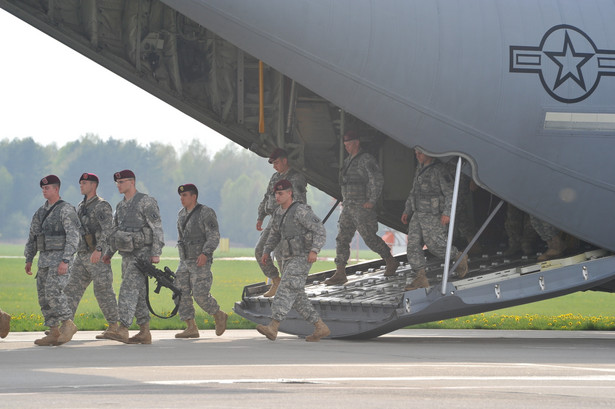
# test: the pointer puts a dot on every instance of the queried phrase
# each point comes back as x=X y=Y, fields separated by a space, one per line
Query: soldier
x=54 y=233
x=464 y=220
x=197 y=228
x=552 y=236
x=5 y=324
x=361 y=181
x=429 y=203
x=137 y=234
x=268 y=205
x=301 y=235
x=96 y=217
x=521 y=235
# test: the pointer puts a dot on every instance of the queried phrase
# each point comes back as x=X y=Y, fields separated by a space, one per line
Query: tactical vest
x=53 y=235
x=427 y=195
x=132 y=221
x=293 y=240
x=89 y=224
x=193 y=238
x=133 y=232
x=353 y=183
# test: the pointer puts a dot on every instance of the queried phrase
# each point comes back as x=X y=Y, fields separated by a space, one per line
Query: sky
x=55 y=95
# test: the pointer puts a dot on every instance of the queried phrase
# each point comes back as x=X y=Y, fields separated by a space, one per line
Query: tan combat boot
x=120 y=334
x=274 y=287
x=5 y=324
x=191 y=332
x=49 y=340
x=420 y=281
x=462 y=268
x=320 y=331
x=105 y=334
x=555 y=249
x=220 y=319
x=67 y=330
x=143 y=336
x=339 y=277
x=391 y=267
x=270 y=331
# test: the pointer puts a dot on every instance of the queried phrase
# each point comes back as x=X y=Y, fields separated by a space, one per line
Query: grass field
x=582 y=311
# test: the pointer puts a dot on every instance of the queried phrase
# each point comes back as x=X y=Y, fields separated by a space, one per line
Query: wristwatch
x=98 y=248
x=65 y=260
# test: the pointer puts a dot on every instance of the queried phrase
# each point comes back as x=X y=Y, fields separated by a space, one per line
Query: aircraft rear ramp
x=370 y=304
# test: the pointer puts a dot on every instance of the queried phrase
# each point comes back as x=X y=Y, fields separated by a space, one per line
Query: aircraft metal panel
x=444 y=81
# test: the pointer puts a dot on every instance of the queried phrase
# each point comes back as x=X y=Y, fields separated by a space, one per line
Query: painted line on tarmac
x=590 y=378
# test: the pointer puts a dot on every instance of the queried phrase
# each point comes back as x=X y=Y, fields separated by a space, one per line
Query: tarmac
x=407 y=368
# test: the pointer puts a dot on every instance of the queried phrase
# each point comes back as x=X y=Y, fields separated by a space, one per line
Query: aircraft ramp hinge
x=407 y=305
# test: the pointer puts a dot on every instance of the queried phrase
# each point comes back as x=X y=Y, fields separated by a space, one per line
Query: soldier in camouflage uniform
x=198 y=233
x=137 y=234
x=362 y=182
x=550 y=234
x=300 y=236
x=521 y=235
x=464 y=217
x=5 y=323
x=429 y=203
x=54 y=233
x=268 y=205
x=96 y=218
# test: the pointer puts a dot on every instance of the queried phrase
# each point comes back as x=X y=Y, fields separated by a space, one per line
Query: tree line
x=231 y=181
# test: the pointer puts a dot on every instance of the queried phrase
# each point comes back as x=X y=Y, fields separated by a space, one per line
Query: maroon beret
x=50 y=180
x=124 y=174
x=89 y=177
x=188 y=187
x=277 y=153
x=282 y=185
x=350 y=136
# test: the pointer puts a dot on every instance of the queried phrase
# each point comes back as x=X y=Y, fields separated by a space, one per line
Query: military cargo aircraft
x=521 y=90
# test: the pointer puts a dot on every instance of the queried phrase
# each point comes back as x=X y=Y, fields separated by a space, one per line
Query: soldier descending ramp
x=371 y=303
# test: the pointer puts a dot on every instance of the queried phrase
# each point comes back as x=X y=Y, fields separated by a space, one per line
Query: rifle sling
x=183 y=229
x=51 y=210
x=149 y=305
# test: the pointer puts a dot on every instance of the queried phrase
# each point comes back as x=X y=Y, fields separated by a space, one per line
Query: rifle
x=163 y=279
x=330 y=211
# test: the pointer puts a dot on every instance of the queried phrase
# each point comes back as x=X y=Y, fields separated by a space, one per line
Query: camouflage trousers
x=545 y=230
x=518 y=227
x=425 y=228
x=131 y=301
x=51 y=298
x=291 y=292
x=195 y=282
x=269 y=269
x=356 y=218
x=464 y=216
x=82 y=273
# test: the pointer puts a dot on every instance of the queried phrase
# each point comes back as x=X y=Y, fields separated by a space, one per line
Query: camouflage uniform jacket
x=200 y=234
x=268 y=205
x=96 y=216
x=300 y=232
x=432 y=190
x=60 y=233
x=361 y=179
x=145 y=214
